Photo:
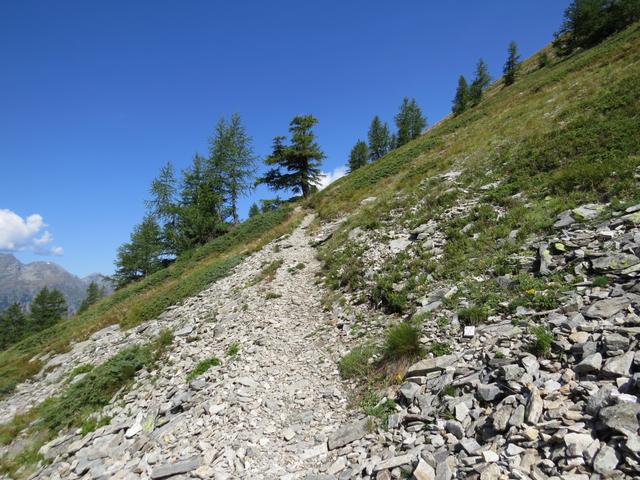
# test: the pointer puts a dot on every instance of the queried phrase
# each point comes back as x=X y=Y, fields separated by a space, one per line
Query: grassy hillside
x=147 y=298
x=562 y=135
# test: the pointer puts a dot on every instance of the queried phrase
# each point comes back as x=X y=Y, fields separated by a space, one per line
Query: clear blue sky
x=96 y=96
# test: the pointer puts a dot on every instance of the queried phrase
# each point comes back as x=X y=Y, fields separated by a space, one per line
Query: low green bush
x=202 y=367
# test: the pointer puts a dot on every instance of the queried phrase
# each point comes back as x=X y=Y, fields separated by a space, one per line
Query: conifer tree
x=142 y=255
x=410 y=121
x=47 y=308
x=461 y=100
x=359 y=155
x=254 y=210
x=231 y=154
x=13 y=325
x=512 y=65
x=164 y=205
x=480 y=82
x=379 y=139
x=94 y=293
x=295 y=166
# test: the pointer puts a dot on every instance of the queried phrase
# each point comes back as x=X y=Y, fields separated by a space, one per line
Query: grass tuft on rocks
x=202 y=367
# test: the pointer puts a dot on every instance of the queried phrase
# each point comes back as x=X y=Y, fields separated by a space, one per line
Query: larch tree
x=480 y=82
x=410 y=121
x=231 y=154
x=254 y=210
x=359 y=155
x=94 y=293
x=47 y=308
x=164 y=205
x=461 y=100
x=379 y=139
x=141 y=256
x=512 y=65
x=295 y=166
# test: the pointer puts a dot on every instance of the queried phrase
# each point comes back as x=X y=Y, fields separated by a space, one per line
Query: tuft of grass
x=439 y=349
x=272 y=295
x=474 y=315
x=268 y=273
x=373 y=406
x=233 y=349
x=202 y=367
x=544 y=338
x=92 y=424
x=403 y=341
x=600 y=281
x=80 y=369
x=355 y=364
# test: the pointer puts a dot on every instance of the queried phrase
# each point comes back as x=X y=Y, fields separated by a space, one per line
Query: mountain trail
x=265 y=412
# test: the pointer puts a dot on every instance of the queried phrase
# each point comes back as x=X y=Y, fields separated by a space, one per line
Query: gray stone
x=184 y=331
x=424 y=471
x=544 y=260
x=576 y=443
x=605 y=461
x=455 y=428
x=409 y=390
x=622 y=417
x=607 y=308
x=169 y=470
x=394 y=462
x=444 y=470
x=349 y=433
x=615 y=341
x=399 y=244
x=564 y=219
x=488 y=391
x=604 y=397
x=428 y=365
x=470 y=445
x=620 y=365
x=534 y=406
x=588 y=211
x=614 y=262
x=531 y=365
x=589 y=364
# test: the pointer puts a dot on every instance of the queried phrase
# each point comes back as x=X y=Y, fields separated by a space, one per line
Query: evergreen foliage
x=379 y=139
x=232 y=158
x=13 y=323
x=254 y=210
x=462 y=99
x=410 y=121
x=512 y=65
x=296 y=166
x=47 y=308
x=588 y=22
x=94 y=293
x=359 y=155
x=142 y=255
x=480 y=82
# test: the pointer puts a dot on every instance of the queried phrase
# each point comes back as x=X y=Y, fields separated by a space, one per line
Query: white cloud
x=18 y=234
x=330 y=177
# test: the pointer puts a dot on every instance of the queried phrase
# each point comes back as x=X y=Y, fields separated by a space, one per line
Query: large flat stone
x=607 y=308
x=171 y=469
x=349 y=433
x=431 y=365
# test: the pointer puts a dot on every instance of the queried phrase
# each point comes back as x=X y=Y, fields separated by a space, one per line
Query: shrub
x=403 y=341
x=600 y=281
x=439 y=349
x=473 y=315
x=202 y=367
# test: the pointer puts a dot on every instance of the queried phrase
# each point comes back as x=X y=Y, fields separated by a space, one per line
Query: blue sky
x=96 y=96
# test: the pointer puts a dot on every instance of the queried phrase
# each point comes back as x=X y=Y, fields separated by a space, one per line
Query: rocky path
x=266 y=412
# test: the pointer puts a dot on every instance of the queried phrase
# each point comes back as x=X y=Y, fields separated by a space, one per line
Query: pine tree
x=379 y=139
x=480 y=83
x=143 y=255
x=296 y=166
x=410 y=121
x=359 y=155
x=512 y=65
x=254 y=210
x=94 y=293
x=47 y=308
x=231 y=154
x=461 y=100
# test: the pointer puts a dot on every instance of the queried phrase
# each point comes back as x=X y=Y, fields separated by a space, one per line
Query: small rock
x=589 y=364
x=605 y=461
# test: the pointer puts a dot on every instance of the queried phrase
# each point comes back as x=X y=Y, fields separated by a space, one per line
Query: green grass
x=272 y=295
x=439 y=349
x=403 y=341
x=233 y=350
x=146 y=299
x=600 y=281
x=202 y=367
x=268 y=272
x=544 y=339
x=356 y=364
x=474 y=315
